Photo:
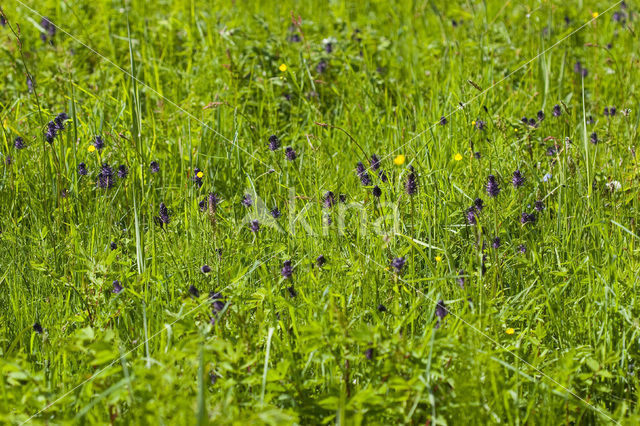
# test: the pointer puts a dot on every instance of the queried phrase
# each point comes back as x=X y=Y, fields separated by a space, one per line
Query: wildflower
x=91 y=148
x=98 y=143
x=213 y=202
x=49 y=30
x=557 y=111
x=438 y=259
x=480 y=125
x=163 y=216
x=606 y=111
x=274 y=142
x=292 y=292
x=197 y=177
x=203 y=205
x=532 y=122
x=612 y=111
x=552 y=151
x=593 y=138
x=3 y=20
x=113 y=245
x=287 y=269
x=123 y=172
x=518 y=179
x=527 y=218
x=8 y=160
x=398 y=263
x=547 y=177
x=540 y=115
x=154 y=166
x=205 y=269
x=411 y=185
x=18 y=143
x=247 y=201
x=471 y=216
x=365 y=179
x=322 y=66
x=522 y=249
x=194 y=291
x=213 y=377
x=496 y=243
x=509 y=331
x=477 y=155
x=443 y=120
x=369 y=354
x=539 y=205
x=82 y=169
x=343 y=198
x=375 y=162
x=382 y=308
x=329 y=200
x=457 y=157
x=254 y=226
x=594 y=15
x=399 y=160
x=282 y=67
x=117 y=287
x=320 y=261
x=383 y=176
x=290 y=153
x=524 y=120
x=37 y=328
x=275 y=213
x=493 y=189
x=60 y=119
x=441 y=311
x=105 y=177
x=478 y=204
x=52 y=131
x=376 y=191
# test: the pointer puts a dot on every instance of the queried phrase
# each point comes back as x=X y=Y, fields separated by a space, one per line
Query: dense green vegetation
x=147 y=278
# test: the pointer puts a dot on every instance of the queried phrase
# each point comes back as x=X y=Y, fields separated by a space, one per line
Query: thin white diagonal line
x=148 y=87
x=485 y=335
x=140 y=344
x=464 y=104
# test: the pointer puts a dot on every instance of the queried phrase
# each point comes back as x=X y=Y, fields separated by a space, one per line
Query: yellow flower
x=283 y=67
x=438 y=258
x=473 y=123
x=200 y=174
x=509 y=331
x=457 y=157
x=595 y=15
x=399 y=160
x=91 y=148
x=515 y=130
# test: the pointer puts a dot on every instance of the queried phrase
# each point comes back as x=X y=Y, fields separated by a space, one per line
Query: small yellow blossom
x=438 y=258
x=200 y=174
x=283 y=67
x=473 y=123
x=457 y=157
x=91 y=148
x=515 y=130
x=509 y=331
x=399 y=160
x=595 y=15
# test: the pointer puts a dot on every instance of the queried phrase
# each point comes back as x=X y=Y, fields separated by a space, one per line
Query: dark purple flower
x=377 y=192
x=247 y=201
x=496 y=243
x=329 y=200
x=117 y=287
x=292 y=292
x=105 y=177
x=375 y=162
x=49 y=30
x=369 y=354
x=52 y=131
x=539 y=206
x=557 y=111
x=113 y=245
x=320 y=261
x=213 y=377
x=593 y=138
x=287 y=269
x=8 y=160
x=527 y=218
x=123 y=172
x=524 y=120
x=194 y=291
x=37 y=328
x=382 y=308
x=411 y=184
x=3 y=20
x=441 y=311
x=254 y=226
x=365 y=179
x=290 y=153
x=60 y=119
x=98 y=142
x=274 y=142
x=617 y=16
x=203 y=205
x=532 y=122
x=471 y=216
x=480 y=125
x=275 y=212
x=205 y=269
x=552 y=151
x=478 y=204
x=540 y=115
x=612 y=111
x=18 y=143
x=213 y=202
x=518 y=179
x=443 y=120
x=82 y=169
x=606 y=111
x=154 y=166
x=322 y=66
x=163 y=216
x=343 y=198
x=493 y=189
x=398 y=263
x=383 y=176
x=522 y=249
x=577 y=68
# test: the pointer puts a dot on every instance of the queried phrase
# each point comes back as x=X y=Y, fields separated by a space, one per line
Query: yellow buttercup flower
x=457 y=157
x=91 y=148
x=509 y=331
x=595 y=15
x=200 y=174
x=282 y=67
x=399 y=160
x=438 y=258
x=473 y=123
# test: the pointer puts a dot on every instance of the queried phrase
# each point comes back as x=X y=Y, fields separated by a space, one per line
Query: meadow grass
x=539 y=326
